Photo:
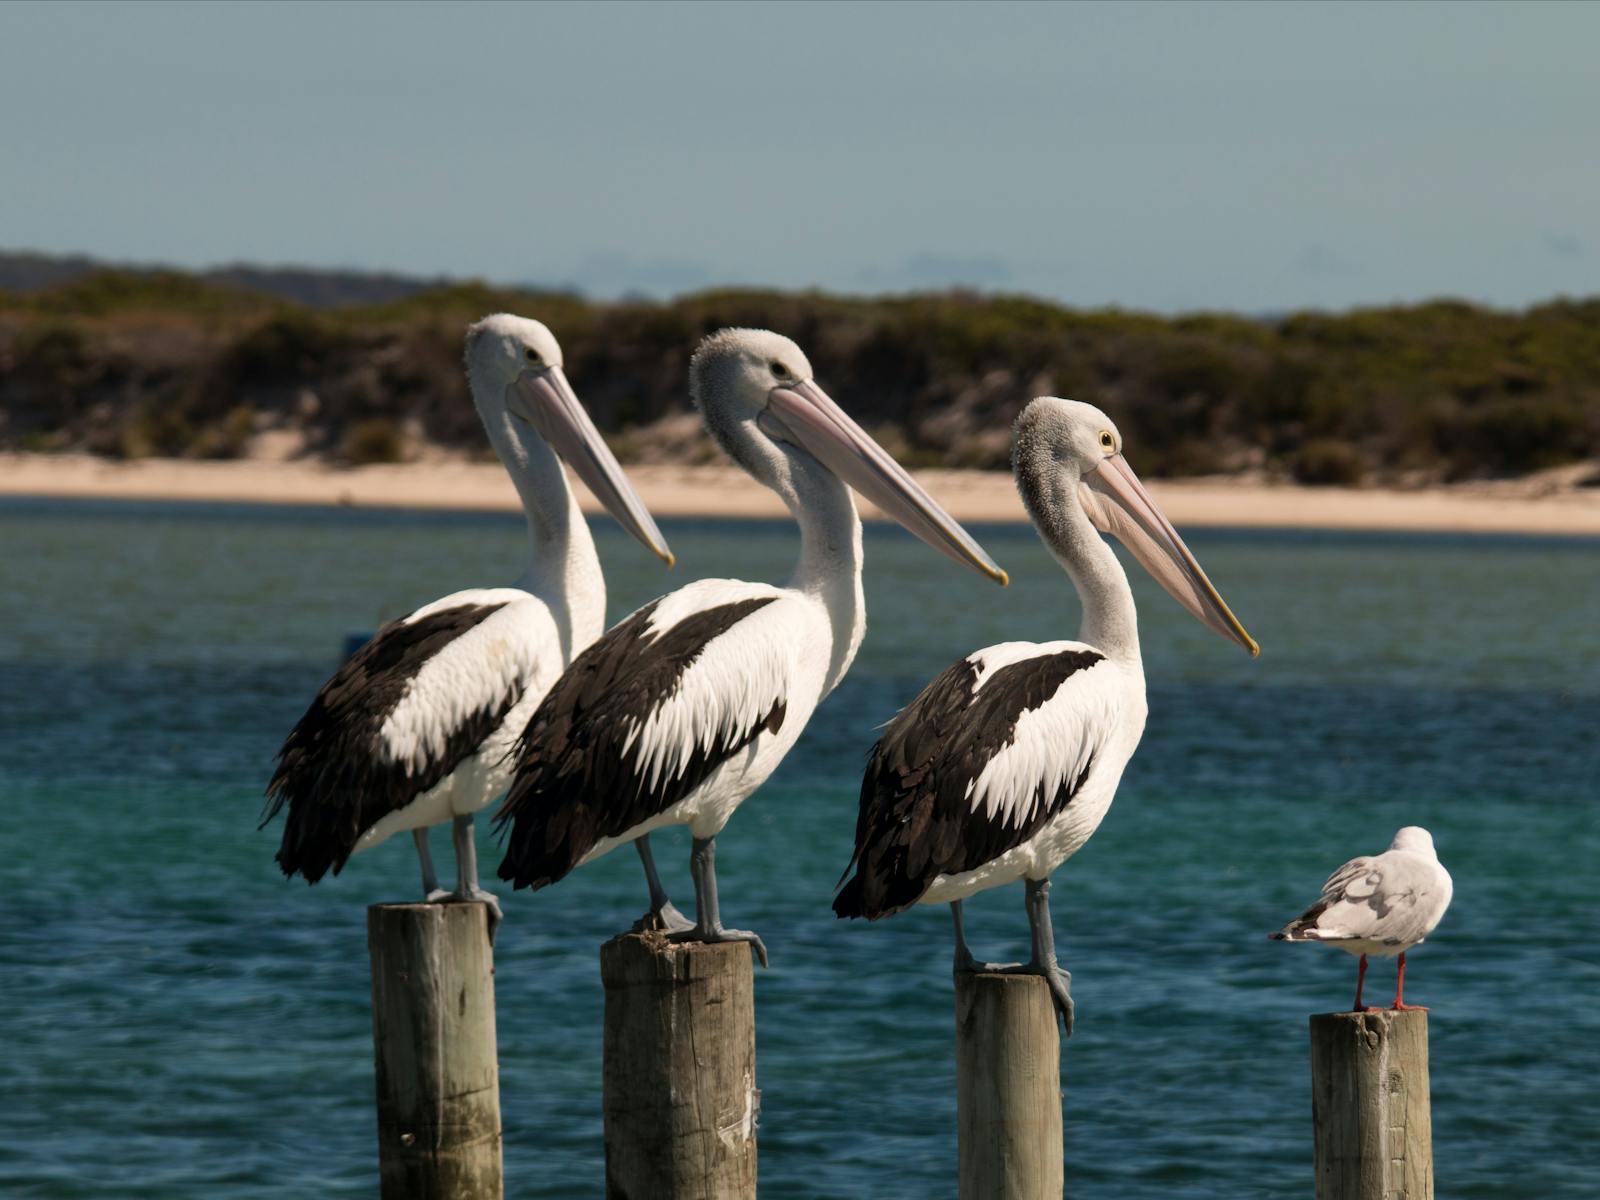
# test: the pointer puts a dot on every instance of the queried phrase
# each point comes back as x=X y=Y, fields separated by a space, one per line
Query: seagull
x=685 y=707
x=1384 y=905
x=1004 y=766
x=414 y=729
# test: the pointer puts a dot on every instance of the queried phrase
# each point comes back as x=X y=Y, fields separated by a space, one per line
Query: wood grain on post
x=433 y=1034
x=1008 y=1088
x=1370 y=1108
x=680 y=1096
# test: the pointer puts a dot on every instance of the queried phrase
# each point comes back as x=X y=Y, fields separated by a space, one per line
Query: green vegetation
x=374 y=440
x=166 y=363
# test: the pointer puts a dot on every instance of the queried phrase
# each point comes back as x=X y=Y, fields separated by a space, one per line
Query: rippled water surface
x=178 y=1020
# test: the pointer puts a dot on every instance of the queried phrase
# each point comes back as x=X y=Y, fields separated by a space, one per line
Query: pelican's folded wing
x=641 y=719
x=395 y=720
x=976 y=765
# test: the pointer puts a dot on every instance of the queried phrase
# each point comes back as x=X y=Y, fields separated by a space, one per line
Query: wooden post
x=680 y=1096
x=1370 y=1110
x=434 y=1039
x=1008 y=1088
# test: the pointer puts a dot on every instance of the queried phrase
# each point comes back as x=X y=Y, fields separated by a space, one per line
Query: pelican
x=414 y=729
x=685 y=707
x=1382 y=905
x=1006 y=763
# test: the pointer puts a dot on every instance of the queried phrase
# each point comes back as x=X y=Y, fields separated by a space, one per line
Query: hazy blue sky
x=1254 y=157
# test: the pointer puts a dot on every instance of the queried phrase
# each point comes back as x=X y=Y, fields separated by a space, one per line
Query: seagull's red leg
x=1400 y=989
x=1361 y=978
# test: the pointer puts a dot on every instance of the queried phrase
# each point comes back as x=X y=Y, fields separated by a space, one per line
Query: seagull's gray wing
x=1394 y=898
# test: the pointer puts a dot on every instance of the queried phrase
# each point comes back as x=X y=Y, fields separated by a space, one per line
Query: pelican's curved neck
x=1110 y=622
x=563 y=569
x=830 y=561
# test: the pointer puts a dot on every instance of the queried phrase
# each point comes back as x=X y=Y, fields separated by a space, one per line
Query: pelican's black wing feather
x=916 y=821
x=579 y=778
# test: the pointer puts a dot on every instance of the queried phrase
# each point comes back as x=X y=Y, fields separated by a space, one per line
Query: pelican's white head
x=759 y=402
x=1066 y=449
x=732 y=375
x=1416 y=839
x=502 y=346
x=1071 y=435
x=514 y=367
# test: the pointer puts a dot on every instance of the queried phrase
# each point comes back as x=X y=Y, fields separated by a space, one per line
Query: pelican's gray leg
x=964 y=959
x=432 y=893
x=1044 y=950
x=965 y=963
x=467 y=873
x=708 y=924
x=663 y=913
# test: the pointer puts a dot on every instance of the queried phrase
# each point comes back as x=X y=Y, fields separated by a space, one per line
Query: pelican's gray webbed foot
x=667 y=918
x=432 y=893
x=663 y=914
x=717 y=933
x=709 y=927
x=467 y=889
x=1060 y=982
x=1044 y=961
x=965 y=964
x=477 y=894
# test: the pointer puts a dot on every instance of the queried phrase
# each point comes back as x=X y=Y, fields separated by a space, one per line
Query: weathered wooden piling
x=433 y=1035
x=1008 y=1088
x=680 y=1097
x=1370 y=1109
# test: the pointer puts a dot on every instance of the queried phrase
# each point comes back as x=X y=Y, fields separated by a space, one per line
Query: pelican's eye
x=1106 y=440
x=532 y=356
x=778 y=369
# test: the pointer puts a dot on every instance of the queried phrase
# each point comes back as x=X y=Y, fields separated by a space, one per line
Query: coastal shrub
x=151 y=430
x=52 y=366
x=1328 y=462
x=1512 y=436
x=288 y=348
x=49 y=349
x=375 y=440
x=141 y=363
x=230 y=438
x=1186 y=458
x=105 y=292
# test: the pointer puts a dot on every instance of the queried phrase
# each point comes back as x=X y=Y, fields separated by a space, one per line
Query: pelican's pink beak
x=812 y=420
x=544 y=399
x=1118 y=504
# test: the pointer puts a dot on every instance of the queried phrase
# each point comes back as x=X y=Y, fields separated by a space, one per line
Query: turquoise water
x=176 y=1020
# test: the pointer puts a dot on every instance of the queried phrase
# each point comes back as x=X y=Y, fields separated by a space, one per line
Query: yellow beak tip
x=669 y=558
x=1003 y=579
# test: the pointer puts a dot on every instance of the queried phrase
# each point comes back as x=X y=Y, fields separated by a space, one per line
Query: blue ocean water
x=176 y=1020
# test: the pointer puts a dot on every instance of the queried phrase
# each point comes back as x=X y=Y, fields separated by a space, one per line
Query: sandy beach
x=1552 y=503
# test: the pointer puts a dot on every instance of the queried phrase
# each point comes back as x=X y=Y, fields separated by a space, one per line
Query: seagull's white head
x=1065 y=450
x=514 y=366
x=1415 y=839
x=756 y=395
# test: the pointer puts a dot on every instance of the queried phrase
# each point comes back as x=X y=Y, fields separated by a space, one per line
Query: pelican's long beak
x=1129 y=514
x=815 y=422
x=545 y=400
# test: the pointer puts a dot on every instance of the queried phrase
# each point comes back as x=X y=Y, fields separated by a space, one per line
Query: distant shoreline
x=1543 y=505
